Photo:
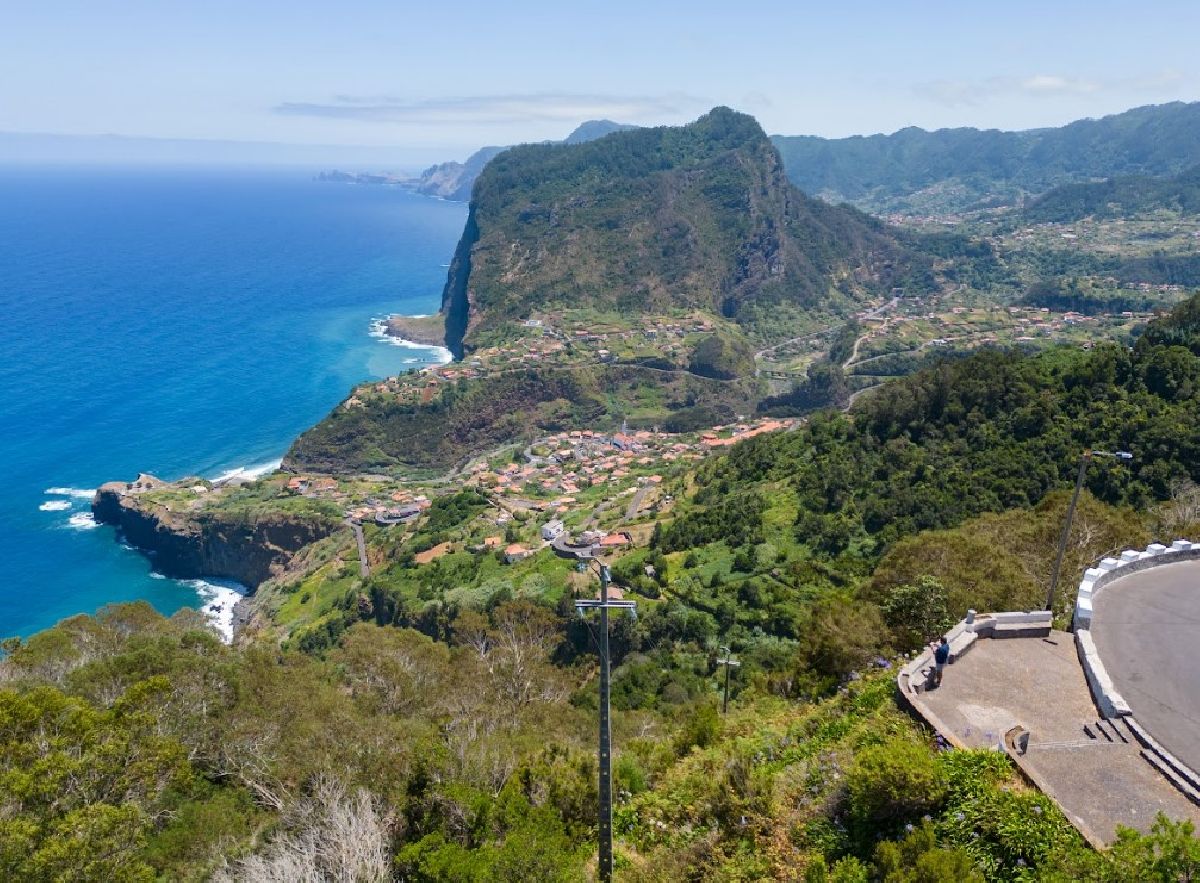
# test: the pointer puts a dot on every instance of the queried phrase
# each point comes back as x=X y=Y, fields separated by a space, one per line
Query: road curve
x=1146 y=627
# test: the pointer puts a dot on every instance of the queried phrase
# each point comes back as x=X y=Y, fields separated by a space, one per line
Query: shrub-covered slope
x=956 y=169
x=652 y=219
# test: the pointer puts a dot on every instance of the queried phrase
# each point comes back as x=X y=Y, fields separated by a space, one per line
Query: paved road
x=635 y=504
x=364 y=568
x=1146 y=627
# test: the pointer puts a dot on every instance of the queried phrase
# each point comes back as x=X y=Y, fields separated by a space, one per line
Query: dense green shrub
x=894 y=782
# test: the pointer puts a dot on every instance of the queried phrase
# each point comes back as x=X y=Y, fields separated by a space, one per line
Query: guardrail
x=963 y=635
x=1110 y=702
x=1130 y=561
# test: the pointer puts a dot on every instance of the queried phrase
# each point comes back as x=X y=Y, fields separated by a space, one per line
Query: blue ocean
x=180 y=322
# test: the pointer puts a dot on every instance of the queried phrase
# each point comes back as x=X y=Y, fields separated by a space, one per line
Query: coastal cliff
x=698 y=217
x=208 y=542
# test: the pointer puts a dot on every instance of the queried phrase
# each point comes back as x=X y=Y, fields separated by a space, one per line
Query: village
x=579 y=493
x=587 y=492
x=571 y=337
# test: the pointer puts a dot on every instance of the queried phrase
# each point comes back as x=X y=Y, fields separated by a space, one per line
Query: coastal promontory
x=193 y=528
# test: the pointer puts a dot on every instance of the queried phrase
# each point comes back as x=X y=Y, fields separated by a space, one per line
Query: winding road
x=1145 y=627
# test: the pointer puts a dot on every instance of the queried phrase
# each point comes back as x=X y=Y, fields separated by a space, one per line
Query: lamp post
x=604 y=604
x=729 y=662
x=1062 y=543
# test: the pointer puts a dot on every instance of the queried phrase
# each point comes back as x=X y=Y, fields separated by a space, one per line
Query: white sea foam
x=156 y=575
x=83 y=493
x=218 y=601
x=248 y=473
x=56 y=505
x=82 y=521
x=441 y=355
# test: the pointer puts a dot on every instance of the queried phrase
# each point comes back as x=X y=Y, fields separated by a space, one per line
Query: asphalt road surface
x=1147 y=629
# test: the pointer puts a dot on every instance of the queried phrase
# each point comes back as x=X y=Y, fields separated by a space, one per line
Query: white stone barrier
x=1110 y=702
x=1131 y=561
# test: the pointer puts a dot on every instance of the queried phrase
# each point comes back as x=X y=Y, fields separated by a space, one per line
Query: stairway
x=1185 y=780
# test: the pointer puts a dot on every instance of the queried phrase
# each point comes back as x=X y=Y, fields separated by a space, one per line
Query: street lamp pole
x=604 y=604
x=1066 y=533
x=729 y=662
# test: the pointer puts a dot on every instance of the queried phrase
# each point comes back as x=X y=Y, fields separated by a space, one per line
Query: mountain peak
x=697 y=217
x=593 y=129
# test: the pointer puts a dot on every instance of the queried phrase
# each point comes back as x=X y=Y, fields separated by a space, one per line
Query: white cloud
x=974 y=92
x=492 y=109
x=1047 y=84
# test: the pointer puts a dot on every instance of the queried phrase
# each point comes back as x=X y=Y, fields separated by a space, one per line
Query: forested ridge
x=649 y=219
x=962 y=169
x=1118 y=197
x=430 y=737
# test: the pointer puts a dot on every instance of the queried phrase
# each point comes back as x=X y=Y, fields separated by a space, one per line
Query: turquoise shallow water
x=179 y=322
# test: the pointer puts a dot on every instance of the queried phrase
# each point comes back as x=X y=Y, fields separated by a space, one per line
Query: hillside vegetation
x=468 y=418
x=949 y=170
x=654 y=219
x=1119 y=197
x=134 y=748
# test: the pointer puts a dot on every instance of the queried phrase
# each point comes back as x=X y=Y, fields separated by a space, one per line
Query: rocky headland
x=424 y=330
x=191 y=541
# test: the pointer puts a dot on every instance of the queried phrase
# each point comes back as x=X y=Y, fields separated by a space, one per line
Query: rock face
x=205 y=544
x=652 y=220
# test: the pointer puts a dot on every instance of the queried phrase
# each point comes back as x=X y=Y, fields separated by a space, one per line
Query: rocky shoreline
x=206 y=543
x=423 y=330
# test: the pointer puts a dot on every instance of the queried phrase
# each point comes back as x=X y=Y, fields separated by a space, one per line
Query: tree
x=917 y=612
x=331 y=834
x=839 y=637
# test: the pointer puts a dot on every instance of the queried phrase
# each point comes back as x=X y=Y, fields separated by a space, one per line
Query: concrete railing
x=1130 y=561
x=963 y=635
x=1110 y=702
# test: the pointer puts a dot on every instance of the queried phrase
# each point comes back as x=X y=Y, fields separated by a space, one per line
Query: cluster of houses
x=723 y=436
x=547 y=346
x=584 y=458
x=400 y=507
x=1027 y=324
x=313 y=486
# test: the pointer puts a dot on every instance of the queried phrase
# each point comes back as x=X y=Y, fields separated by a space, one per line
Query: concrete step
x=1181 y=784
x=1020 y=630
x=1108 y=727
x=1104 y=734
x=1165 y=758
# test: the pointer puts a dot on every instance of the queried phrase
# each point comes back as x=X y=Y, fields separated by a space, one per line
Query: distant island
x=454 y=180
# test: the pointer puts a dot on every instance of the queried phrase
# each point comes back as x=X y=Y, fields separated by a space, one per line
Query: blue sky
x=434 y=81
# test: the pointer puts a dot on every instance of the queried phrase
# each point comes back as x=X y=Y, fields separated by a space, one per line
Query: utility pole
x=582 y=605
x=1066 y=533
x=729 y=662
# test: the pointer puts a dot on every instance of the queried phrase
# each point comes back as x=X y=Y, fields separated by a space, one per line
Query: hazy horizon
x=421 y=88
x=54 y=148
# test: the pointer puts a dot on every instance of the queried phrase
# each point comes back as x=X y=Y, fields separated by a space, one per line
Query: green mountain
x=1119 y=197
x=700 y=216
x=957 y=169
x=454 y=180
x=447 y=731
x=698 y=219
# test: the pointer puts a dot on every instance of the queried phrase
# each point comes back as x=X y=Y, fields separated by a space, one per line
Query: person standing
x=941 y=655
